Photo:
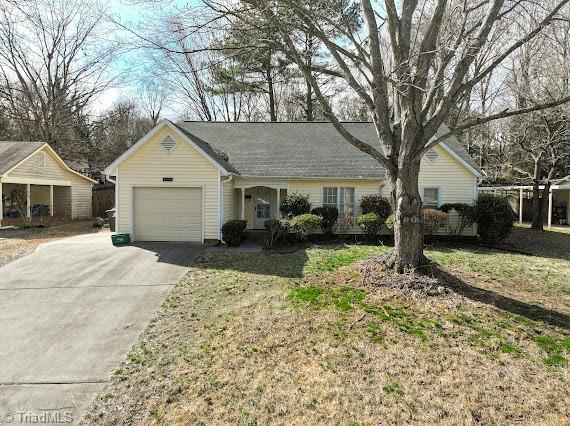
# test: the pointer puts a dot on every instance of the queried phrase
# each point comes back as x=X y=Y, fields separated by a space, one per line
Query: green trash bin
x=120 y=239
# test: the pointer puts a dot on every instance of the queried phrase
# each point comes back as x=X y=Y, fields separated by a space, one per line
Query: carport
x=35 y=181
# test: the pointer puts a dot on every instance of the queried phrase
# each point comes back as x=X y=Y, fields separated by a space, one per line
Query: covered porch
x=259 y=201
x=556 y=209
x=25 y=201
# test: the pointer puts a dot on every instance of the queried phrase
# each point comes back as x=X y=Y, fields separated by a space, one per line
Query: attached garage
x=167 y=214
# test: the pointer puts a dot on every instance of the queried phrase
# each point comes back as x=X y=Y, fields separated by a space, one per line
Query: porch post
x=2 y=204
x=51 y=200
x=567 y=208
x=28 y=202
x=242 y=214
x=277 y=211
x=520 y=205
x=550 y=208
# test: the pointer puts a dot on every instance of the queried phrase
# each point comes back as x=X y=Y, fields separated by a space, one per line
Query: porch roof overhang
x=34 y=181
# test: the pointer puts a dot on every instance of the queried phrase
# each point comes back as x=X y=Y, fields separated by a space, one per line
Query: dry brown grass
x=297 y=339
x=15 y=243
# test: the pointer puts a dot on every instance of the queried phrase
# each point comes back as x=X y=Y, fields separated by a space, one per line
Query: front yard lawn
x=15 y=243
x=297 y=338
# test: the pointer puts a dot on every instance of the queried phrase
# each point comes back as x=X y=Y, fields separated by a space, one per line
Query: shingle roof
x=11 y=153
x=293 y=149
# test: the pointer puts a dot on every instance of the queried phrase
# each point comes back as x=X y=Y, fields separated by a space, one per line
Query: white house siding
x=229 y=201
x=314 y=188
x=149 y=164
x=455 y=182
x=81 y=198
x=62 y=201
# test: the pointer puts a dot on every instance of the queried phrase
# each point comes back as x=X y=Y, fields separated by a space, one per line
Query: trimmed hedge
x=376 y=204
x=305 y=224
x=329 y=216
x=370 y=223
x=434 y=220
x=232 y=232
x=466 y=213
x=494 y=217
x=295 y=204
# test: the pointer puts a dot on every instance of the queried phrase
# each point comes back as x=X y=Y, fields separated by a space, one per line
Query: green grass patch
x=349 y=298
x=321 y=260
x=394 y=389
x=547 y=343
x=555 y=360
x=343 y=298
x=509 y=349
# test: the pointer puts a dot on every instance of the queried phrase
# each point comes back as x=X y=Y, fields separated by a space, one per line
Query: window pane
x=430 y=197
x=346 y=201
x=330 y=197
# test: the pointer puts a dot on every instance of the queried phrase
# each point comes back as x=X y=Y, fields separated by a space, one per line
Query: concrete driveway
x=69 y=312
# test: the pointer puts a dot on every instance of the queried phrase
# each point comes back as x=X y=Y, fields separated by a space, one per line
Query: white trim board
x=110 y=169
x=62 y=163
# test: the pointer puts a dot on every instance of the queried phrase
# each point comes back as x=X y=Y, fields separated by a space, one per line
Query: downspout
x=221 y=207
x=114 y=181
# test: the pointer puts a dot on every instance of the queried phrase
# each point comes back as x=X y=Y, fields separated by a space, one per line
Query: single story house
x=34 y=172
x=183 y=181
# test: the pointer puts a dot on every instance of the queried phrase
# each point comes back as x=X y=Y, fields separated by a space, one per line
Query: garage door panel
x=168 y=214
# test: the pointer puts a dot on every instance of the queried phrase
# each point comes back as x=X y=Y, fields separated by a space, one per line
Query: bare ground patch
x=16 y=243
x=299 y=339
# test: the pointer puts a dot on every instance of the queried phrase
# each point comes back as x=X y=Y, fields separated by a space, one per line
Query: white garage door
x=168 y=214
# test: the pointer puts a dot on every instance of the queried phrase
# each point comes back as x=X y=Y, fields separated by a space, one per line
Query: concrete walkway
x=69 y=312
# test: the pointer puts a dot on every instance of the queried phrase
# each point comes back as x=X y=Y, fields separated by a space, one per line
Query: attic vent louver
x=431 y=155
x=168 y=144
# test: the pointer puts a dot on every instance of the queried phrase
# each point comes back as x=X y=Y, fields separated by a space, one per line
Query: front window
x=343 y=199
x=431 y=197
x=330 y=197
x=346 y=203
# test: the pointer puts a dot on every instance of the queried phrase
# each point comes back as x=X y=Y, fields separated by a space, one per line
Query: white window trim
x=438 y=201
x=354 y=207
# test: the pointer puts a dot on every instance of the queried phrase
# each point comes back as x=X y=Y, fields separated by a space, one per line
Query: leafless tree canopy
x=53 y=62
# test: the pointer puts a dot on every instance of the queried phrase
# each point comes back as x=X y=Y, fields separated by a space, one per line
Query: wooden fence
x=103 y=199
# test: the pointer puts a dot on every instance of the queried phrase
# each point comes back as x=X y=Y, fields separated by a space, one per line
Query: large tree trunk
x=537 y=206
x=408 y=223
x=537 y=200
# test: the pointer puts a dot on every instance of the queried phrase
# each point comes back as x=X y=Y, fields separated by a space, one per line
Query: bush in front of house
x=305 y=225
x=295 y=204
x=376 y=204
x=390 y=222
x=434 y=220
x=494 y=217
x=329 y=216
x=370 y=223
x=276 y=231
x=232 y=232
x=344 y=223
x=466 y=213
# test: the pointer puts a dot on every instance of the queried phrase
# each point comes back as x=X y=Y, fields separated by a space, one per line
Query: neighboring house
x=34 y=169
x=182 y=182
x=557 y=209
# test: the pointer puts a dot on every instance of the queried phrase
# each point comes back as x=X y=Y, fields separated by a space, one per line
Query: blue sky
x=132 y=14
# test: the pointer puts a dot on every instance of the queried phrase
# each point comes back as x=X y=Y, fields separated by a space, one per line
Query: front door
x=262 y=207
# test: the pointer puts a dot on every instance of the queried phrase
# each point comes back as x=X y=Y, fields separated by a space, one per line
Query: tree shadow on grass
x=499 y=301
x=288 y=262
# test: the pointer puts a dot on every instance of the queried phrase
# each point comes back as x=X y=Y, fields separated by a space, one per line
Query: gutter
x=221 y=207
